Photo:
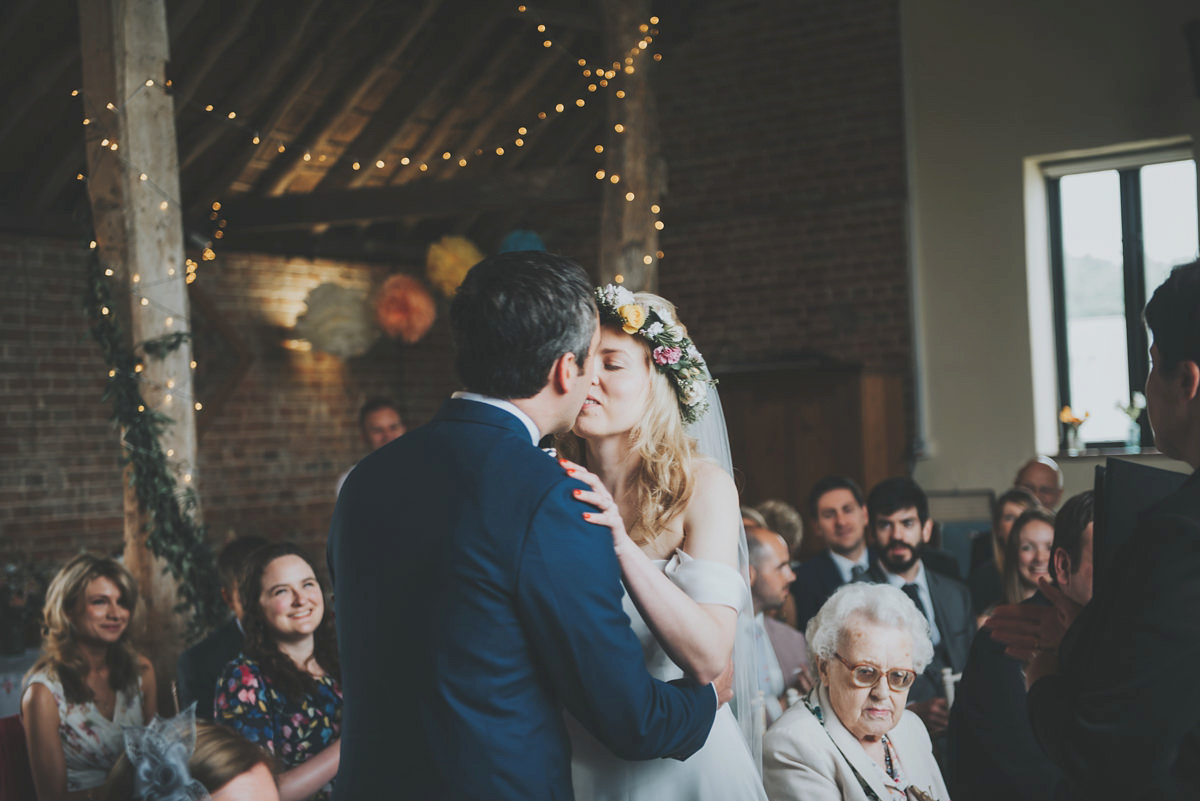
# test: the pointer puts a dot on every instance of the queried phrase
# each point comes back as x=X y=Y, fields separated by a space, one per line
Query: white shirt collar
x=507 y=406
x=898 y=581
x=846 y=567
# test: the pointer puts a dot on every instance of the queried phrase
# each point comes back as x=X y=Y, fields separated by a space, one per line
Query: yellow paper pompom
x=448 y=261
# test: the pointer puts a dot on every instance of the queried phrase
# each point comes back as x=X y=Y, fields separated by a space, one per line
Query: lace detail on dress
x=707 y=582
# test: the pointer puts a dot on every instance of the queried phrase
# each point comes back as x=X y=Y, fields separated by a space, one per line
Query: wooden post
x=628 y=238
x=133 y=184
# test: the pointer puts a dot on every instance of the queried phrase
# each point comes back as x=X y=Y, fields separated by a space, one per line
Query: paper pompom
x=448 y=261
x=338 y=321
x=404 y=308
x=520 y=239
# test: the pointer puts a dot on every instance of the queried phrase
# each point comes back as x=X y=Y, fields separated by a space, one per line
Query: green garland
x=172 y=531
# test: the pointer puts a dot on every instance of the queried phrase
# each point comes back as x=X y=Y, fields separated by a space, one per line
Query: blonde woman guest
x=985 y=579
x=88 y=682
x=675 y=523
x=1027 y=554
x=852 y=737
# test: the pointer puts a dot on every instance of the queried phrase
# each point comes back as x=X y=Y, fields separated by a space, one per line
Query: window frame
x=1128 y=166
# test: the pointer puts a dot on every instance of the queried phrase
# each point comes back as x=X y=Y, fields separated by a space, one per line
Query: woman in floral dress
x=283 y=691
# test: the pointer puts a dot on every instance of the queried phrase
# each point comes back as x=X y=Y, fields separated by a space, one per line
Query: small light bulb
x=103 y=143
x=199 y=405
x=92 y=244
x=499 y=151
x=143 y=177
x=308 y=156
x=232 y=114
x=255 y=140
x=208 y=107
x=647 y=259
x=405 y=160
x=614 y=178
x=541 y=28
x=579 y=102
x=620 y=93
x=281 y=148
x=149 y=82
x=654 y=20
x=620 y=279
x=446 y=156
x=519 y=142
x=74 y=93
x=658 y=224
x=655 y=209
x=547 y=43
x=137 y=368
x=522 y=130
x=170 y=383
x=136 y=278
x=167 y=398
x=145 y=302
x=559 y=108
x=599 y=175
x=104 y=310
x=658 y=56
x=629 y=196
x=112 y=373
x=192 y=364
x=541 y=115
x=141 y=408
x=113 y=146
x=164 y=205
x=462 y=162
x=379 y=164
x=619 y=128
x=599 y=148
x=187 y=478
x=356 y=166
x=592 y=87
x=424 y=167
x=109 y=272
x=170 y=451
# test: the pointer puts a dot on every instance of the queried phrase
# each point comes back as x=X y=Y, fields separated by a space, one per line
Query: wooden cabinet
x=789 y=427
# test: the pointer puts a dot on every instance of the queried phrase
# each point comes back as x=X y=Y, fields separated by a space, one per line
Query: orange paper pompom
x=404 y=308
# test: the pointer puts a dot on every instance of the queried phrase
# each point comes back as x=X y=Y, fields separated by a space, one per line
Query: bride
x=676 y=528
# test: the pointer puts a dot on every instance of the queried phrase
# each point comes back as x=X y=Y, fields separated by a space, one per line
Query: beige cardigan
x=801 y=762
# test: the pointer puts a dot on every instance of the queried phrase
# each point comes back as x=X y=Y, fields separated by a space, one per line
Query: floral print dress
x=293 y=729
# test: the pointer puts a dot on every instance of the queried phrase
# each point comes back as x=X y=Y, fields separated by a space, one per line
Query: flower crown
x=672 y=351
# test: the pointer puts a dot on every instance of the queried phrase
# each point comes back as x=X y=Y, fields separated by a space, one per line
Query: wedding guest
x=1107 y=701
x=1041 y=476
x=902 y=527
x=783 y=519
x=993 y=754
x=782 y=651
x=751 y=517
x=226 y=765
x=200 y=666
x=283 y=691
x=839 y=508
x=379 y=422
x=852 y=737
x=985 y=577
x=88 y=683
x=1027 y=554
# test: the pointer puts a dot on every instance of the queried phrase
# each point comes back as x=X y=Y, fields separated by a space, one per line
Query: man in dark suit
x=473 y=601
x=837 y=505
x=902 y=526
x=200 y=666
x=994 y=755
x=1113 y=701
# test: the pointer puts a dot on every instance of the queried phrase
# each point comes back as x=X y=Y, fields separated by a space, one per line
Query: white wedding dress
x=723 y=769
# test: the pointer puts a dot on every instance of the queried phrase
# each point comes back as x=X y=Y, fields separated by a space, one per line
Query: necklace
x=887 y=759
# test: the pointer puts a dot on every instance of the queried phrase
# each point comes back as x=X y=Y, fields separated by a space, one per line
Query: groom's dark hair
x=514 y=315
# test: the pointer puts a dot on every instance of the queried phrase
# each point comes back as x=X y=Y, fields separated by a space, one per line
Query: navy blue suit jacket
x=816 y=580
x=199 y=668
x=473 y=604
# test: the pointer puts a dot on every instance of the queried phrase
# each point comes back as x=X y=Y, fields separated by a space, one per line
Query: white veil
x=712 y=440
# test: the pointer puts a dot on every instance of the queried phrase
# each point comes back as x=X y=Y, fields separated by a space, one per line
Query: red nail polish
x=562 y=461
x=570 y=471
x=577 y=492
x=587 y=516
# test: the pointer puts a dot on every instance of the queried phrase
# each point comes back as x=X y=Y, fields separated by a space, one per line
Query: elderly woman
x=852 y=737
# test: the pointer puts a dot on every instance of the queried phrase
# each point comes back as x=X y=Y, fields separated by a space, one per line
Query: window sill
x=1101 y=452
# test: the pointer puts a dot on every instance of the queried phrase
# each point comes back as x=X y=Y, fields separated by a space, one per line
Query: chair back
x=16 y=777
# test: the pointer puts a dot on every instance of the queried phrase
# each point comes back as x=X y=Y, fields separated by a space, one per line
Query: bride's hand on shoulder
x=598 y=496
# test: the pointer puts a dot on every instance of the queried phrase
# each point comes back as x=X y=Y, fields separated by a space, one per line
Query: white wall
x=989 y=85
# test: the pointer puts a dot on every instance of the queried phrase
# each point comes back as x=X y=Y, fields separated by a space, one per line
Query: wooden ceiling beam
x=279 y=174
x=297 y=87
x=211 y=55
x=432 y=79
x=413 y=200
x=253 y=88
x=436 y=139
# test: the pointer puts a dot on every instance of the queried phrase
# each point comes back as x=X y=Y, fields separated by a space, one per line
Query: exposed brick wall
x=268 y=456
x=782 y=127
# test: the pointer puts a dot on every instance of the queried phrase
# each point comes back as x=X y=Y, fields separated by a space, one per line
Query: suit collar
x=507 y=406
x=472 y=411
x=851 y=749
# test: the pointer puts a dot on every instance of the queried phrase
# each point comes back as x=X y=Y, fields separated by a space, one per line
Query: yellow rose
x=632 y=315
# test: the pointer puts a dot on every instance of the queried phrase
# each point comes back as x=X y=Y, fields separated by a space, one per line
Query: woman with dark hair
x=284 y=691
x=1027 y=553
x=88 y=682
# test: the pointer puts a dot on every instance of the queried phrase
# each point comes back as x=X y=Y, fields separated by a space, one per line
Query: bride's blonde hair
x=664 y=477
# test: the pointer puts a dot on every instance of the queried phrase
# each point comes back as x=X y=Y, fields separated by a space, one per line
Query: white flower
x=675 y=332
x=618 y=295
x=693 y=353
x=654 y=329
x=695 y=392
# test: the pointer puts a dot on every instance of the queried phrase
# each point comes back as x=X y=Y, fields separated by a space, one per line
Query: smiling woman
x=283 y=692
x=88 y=683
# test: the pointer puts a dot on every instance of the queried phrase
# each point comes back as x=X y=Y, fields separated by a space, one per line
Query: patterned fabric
x=91 y=742
x=293 y=729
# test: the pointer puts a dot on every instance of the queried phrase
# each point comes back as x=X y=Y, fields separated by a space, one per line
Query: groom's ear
x=563 y=372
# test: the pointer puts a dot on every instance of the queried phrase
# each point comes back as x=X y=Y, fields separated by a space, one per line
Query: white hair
x=881 y=604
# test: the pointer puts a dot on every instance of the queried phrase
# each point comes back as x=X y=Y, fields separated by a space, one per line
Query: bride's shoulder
x=709 y=475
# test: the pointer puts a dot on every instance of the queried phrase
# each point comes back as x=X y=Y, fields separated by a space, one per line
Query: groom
x=473 y=602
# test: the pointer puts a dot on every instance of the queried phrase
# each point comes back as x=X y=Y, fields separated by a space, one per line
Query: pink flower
x=664 y=355
x=246 y=696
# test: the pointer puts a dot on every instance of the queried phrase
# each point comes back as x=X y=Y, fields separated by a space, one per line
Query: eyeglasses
x=866 y=675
